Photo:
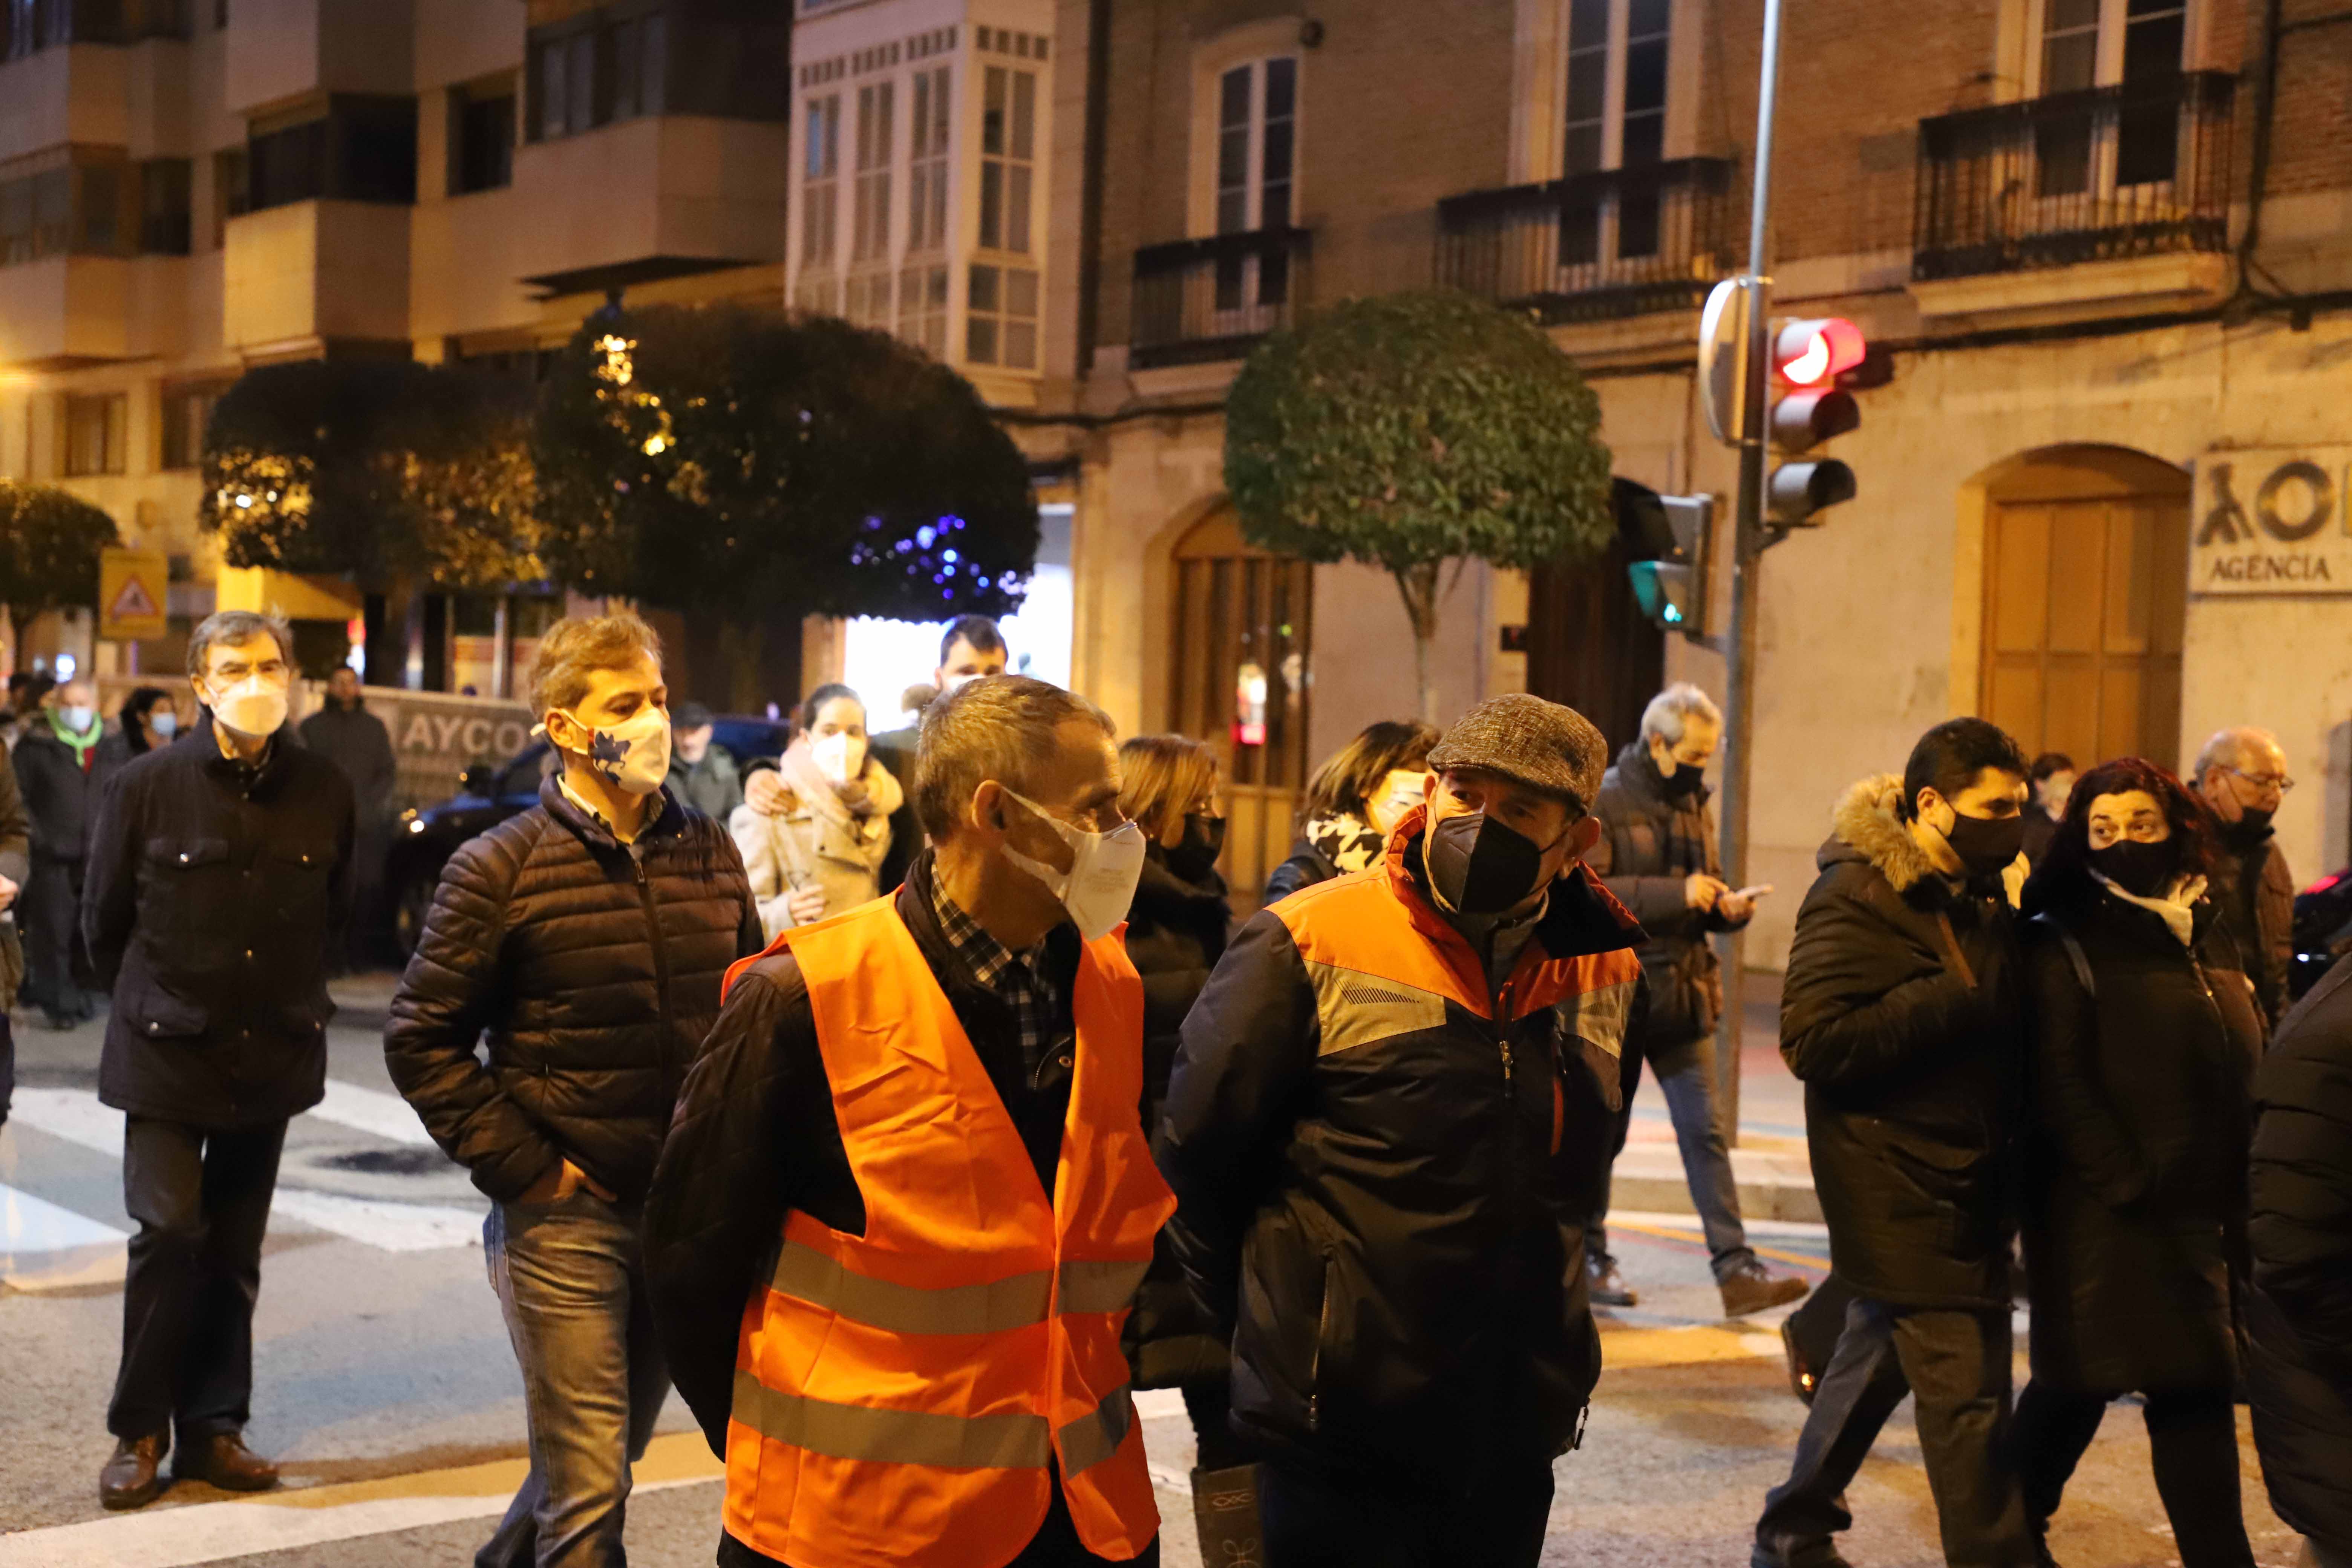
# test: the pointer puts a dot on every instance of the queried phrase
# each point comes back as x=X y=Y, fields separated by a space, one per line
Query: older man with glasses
x=2242 y=776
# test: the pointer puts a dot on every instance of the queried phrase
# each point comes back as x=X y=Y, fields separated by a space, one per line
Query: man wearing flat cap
x=1382 y=1131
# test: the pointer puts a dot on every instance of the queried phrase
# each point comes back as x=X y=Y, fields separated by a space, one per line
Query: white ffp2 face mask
x=255 y=707
x=633 y=756
x=840 y=756
x=1099 y=886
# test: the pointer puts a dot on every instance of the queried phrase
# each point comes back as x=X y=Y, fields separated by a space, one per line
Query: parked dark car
x=2323 y=929
x=488 y=794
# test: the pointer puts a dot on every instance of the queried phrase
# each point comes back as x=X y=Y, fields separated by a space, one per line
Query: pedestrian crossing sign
x=131 y=594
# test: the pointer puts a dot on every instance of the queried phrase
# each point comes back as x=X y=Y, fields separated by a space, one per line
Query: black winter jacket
x=1306 y=866
x=1901 y=1013
x=1649 y=846
x=211 y=903
x=355 y=741
x=1382 y=1194
x=61 y=795
x=2135 y=1189
x=2299 y=1309
x=1176 y=931
x=755 y=1136
x=16 y=863
x=2254 y=892
x=592 y=967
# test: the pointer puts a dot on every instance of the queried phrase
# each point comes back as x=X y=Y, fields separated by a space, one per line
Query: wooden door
x=1242 y=628
x=1588 y=645
x=2085 y=599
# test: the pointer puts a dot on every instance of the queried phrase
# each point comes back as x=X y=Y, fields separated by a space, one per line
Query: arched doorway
x=1238 y=659
x=1588 y=645
x=2085 y=597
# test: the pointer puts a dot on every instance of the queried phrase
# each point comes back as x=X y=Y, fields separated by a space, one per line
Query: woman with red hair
x=2147 y=1037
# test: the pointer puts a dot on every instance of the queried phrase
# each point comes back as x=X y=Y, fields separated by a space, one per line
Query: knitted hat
x=1541 y=744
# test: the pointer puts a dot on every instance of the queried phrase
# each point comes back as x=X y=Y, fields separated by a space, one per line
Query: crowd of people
x=909 y=1101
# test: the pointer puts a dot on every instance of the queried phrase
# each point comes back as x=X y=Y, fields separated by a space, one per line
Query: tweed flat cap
x=1541 y=744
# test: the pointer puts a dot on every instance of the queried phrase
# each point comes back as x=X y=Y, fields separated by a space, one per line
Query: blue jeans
x=570 y=1280
x=1685 y=1074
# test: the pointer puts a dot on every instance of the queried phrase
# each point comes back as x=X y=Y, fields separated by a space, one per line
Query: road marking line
x=76 y=1116
x=1625 y=1349
x=45 y=1247
x=1695 y=1238
x=388 y=1116
x=167 y=1537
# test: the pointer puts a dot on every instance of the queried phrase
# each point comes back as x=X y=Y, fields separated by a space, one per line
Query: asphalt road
x=386 y=1387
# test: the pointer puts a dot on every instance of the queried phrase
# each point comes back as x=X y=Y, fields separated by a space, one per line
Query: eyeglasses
x=2278 y=782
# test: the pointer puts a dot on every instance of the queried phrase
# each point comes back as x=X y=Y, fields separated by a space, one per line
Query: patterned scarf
x=1346 y=840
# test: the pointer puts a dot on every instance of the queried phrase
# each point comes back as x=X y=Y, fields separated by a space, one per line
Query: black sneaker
x=1608 y=1286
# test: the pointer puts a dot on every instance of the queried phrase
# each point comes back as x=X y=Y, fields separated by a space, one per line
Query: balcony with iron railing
x=2108 y=173
x=1200 y=300
x=1592 y=246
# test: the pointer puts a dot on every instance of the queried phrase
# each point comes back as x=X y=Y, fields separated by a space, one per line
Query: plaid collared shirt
x=1020 y=978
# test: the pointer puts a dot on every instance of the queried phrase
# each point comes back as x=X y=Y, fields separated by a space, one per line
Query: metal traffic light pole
x=1746 y=554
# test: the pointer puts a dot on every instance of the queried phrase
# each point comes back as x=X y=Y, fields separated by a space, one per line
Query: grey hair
x=998 y=727
x=2229 y=746
x=236 y=627
x=1670 y=709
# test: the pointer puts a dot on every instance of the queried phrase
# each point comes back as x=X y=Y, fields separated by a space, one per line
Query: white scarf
x=2176 y=906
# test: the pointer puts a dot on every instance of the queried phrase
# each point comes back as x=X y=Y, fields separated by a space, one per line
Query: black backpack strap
x=2075 y=954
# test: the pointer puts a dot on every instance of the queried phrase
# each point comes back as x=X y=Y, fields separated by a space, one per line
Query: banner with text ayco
x=2271 y=521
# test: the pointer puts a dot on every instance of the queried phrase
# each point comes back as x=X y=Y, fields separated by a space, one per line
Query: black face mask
x=1984 y=844
x=1478 y=867
x=2254 y=825
x=2135 y=868
x=1196 y=853
x=1684 y=781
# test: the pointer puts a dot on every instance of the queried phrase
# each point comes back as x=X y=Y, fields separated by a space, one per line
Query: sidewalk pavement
x=1770 y=1161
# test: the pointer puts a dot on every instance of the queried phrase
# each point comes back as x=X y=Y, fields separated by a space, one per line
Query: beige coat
x=819 y=842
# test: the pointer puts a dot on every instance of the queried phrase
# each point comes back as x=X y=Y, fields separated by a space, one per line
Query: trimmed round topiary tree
x=1413 y=429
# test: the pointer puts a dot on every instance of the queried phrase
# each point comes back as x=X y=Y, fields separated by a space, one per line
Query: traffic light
x=1671 y=586
x=1808 y=359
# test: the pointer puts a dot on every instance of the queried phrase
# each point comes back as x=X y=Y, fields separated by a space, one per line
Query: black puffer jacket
x=594 y=967
x=1384 y=1190
x=1649 y=846
x=212 y=896
x=1306 y=866
x=2135 y=1189
x=1901 y=1013
x=1176 y=931
x=2299 y=1309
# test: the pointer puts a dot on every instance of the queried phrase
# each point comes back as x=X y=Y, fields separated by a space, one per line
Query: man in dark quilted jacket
x=586 y=939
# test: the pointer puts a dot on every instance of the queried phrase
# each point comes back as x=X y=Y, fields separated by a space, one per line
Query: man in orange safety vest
x=906 y=1199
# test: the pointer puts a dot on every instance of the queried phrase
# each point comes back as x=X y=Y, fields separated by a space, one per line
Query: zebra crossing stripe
x=45 y=1247
x=76 y=1116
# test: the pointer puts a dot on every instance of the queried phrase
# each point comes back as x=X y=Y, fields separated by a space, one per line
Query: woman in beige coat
x=822 y=853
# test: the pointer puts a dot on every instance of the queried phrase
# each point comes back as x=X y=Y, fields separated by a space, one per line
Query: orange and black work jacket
x=905 y=1391
x=1385 y=1164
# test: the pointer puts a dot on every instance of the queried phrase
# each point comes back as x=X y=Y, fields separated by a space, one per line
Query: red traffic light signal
x=1815 y=352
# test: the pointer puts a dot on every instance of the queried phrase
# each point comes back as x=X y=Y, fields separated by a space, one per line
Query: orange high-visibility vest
x=900 y=1395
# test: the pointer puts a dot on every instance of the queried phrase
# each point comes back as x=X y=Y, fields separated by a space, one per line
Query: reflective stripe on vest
x=922 y=1437
x=805 y=1274
x=905 y=1397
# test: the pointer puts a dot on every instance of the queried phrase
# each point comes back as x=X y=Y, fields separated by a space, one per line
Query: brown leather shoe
x=224 y=1460
x=131 y=1479
x=1756 y=1287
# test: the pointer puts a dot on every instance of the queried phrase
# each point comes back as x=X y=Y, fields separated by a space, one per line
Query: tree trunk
x=1418 y=587
x=746 y=643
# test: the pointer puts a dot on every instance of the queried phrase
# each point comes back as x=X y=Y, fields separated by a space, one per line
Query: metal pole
x=1747 y=545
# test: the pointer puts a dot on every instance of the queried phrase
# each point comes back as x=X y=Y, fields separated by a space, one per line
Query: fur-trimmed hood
x=1865 y=826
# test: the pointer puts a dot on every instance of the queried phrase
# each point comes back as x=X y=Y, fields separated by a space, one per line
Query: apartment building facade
x=2103 y=493
x=189 y=188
